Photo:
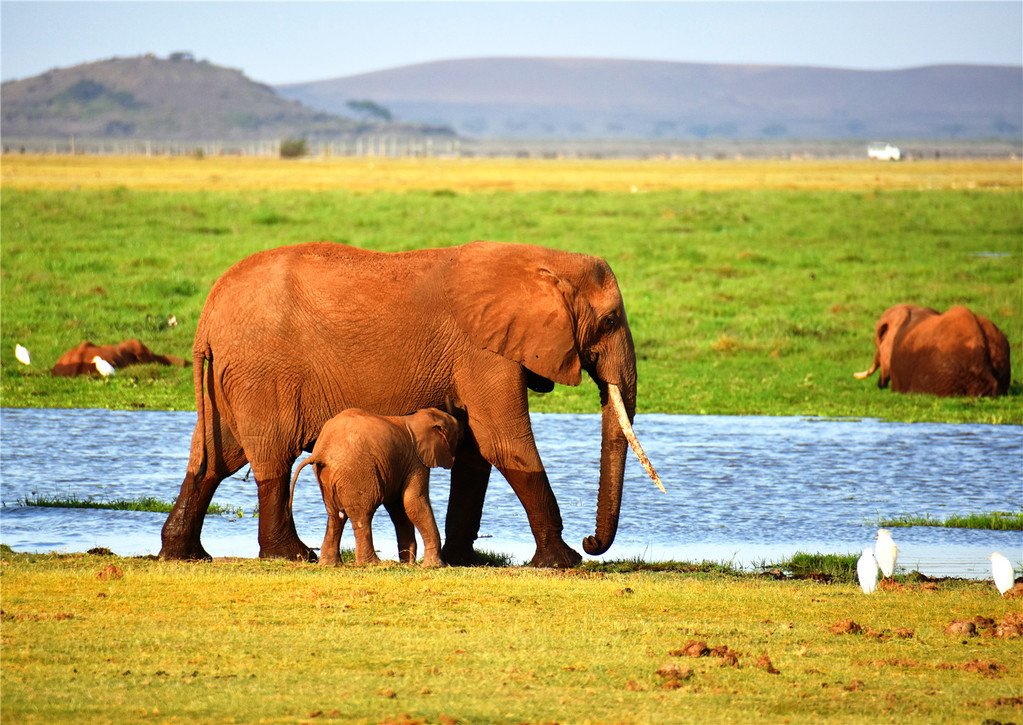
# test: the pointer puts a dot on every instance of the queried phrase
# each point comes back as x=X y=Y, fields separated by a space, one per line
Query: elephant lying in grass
x=79 y=360
x=920 y=350
x=364 y=460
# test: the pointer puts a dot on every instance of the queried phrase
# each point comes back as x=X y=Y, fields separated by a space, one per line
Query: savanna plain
x=752 y=287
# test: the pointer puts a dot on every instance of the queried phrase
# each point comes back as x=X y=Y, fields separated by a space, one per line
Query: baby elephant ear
x=433 y=447
x=512 y=300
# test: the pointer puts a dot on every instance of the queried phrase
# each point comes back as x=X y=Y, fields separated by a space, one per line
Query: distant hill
x=167 y=99
x=589 y=98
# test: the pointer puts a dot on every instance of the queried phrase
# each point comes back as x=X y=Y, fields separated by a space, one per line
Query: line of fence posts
x=369 y=145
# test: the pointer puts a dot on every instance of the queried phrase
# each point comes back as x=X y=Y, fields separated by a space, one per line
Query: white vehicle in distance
x=884 y=152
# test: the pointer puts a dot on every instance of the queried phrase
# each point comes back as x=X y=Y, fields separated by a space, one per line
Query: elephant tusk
x=630 y=435
x=866 y=373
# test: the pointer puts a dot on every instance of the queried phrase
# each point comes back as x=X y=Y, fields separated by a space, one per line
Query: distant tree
x=293 y=148
x=368 y=109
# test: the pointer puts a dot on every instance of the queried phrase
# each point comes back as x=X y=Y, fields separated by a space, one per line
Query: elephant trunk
x=616 y=435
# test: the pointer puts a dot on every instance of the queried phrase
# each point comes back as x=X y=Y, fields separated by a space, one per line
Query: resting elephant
x=79 y=361
x=920 y=350
x=290 y=337
x=363 y=460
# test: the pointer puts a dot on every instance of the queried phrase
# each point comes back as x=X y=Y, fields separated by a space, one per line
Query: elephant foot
x=433 y=562
x=183 y=550
x=456 y=555
x=293 y=550
x=556 y=556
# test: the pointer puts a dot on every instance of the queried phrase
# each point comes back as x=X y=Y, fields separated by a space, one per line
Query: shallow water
x=743 y=490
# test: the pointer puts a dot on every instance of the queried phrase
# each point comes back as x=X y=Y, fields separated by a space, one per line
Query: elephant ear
x=888 y=327
x=432 y=447
x=511 y=299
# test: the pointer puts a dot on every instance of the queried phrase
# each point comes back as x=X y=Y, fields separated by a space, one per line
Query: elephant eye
x=608 y=323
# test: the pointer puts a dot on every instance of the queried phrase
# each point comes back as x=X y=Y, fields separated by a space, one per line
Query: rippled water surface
x=740 y=489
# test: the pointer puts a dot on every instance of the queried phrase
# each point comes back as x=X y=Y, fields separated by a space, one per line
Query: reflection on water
x=740 y=489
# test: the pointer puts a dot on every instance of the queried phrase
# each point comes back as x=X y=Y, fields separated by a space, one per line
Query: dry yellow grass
x=483 y=175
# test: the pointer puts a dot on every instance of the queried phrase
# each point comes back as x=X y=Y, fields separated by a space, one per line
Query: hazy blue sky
x=281 y=42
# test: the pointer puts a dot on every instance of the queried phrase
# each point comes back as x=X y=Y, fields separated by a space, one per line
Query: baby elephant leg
x=404 y=531
x=417 y=506
x=330 y=550
x=362 y=526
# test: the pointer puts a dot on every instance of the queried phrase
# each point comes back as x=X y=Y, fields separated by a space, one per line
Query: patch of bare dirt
x=846 y=626
x=1009 y=627
x=988 y=669
x=111 y=572
x=764 y=663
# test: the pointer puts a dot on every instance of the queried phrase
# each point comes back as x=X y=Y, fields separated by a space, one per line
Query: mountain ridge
x=592 y=97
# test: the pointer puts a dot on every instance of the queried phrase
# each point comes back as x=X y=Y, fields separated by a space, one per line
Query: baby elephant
x=363 y=460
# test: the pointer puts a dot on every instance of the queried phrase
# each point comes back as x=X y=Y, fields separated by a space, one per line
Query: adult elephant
x=291 y=336
x=920 y=350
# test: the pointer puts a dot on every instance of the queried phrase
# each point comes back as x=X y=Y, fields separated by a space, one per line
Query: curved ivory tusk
x=630 y=435
x=865 y=373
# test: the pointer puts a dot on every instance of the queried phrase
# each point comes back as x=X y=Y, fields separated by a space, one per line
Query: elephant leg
x=278 y=538
x=534 y=491
x=181 y=531
x=404 y=531
x=362 y=526
x=469 y=478
x=330 y=550
x=417 y=506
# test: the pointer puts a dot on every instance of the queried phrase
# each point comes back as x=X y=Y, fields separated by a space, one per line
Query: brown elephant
x=290 y=337
x=920 y=350
x=79 y=361
x=363 y=460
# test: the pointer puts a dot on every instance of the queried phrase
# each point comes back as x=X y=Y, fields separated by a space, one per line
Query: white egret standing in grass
x=1002 y=572
x=22 y=354
x=103 y=367
x=866 y=570
x=885 y=552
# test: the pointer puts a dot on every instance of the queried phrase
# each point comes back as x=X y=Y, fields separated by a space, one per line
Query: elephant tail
x=294 y=480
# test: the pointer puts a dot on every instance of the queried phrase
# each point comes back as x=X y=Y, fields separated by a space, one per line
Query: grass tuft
x=143 y=503
x=994 y=521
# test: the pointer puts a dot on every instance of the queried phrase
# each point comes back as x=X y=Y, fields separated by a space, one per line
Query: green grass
x=996 y=521
x=142 y=503
x=830 y=567
x=740 y=302
x=279 y=642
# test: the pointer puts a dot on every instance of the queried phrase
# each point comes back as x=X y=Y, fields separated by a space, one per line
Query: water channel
x=744 y=490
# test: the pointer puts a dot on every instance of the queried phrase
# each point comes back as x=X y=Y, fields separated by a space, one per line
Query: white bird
x=1002 y=572
x=885 y=552
x=103 y=367
x=22 y=354
x=866 y=570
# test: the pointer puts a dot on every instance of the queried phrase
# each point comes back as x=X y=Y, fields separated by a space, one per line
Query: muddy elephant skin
x=363 y=461
x=290 y=337
x=958 y=353
x=78 y=361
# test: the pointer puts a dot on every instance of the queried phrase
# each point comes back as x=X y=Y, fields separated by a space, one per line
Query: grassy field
x=96 y=639
x=752 y=286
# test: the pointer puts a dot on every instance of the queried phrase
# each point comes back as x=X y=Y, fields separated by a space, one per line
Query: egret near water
x=885 y=552
x=103 y=367
x=1002 y=572
x=21 y=353
x=866 y=570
